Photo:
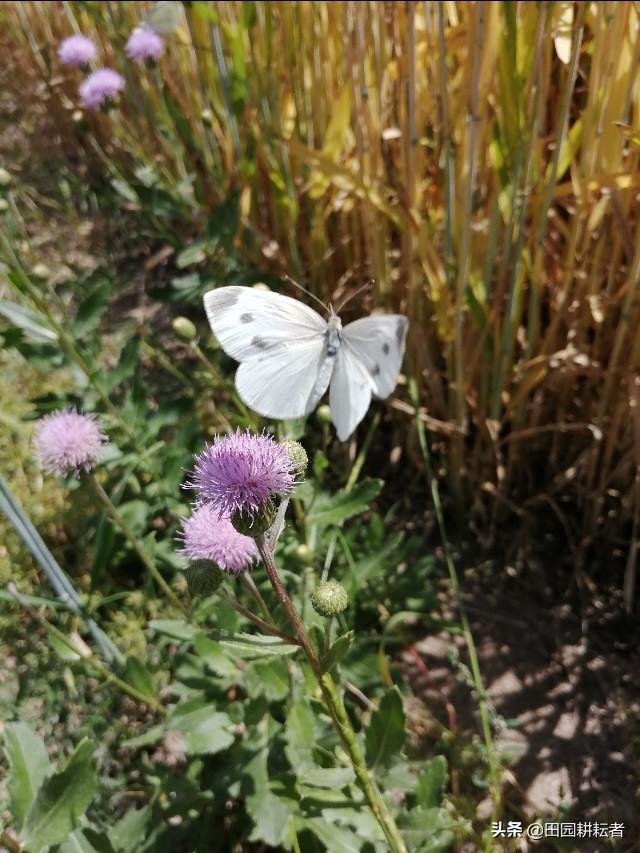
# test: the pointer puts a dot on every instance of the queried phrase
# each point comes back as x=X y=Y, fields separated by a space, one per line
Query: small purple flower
x=144 y=43
x=241 y=472
x=207 y=536
x=77 y=51
x=101 y=86
x=69 y=442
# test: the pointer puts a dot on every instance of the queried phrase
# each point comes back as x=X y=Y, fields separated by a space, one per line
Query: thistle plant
x=249 y=478
x=144 y=44
x=69 y=443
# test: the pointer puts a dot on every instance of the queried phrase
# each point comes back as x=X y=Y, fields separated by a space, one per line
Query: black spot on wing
x=246 y=318
x=375 y=370
x=261 y=343
x=224 y=298
x=385 y=348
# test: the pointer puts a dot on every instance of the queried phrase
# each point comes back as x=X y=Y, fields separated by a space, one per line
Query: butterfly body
x=289 y=355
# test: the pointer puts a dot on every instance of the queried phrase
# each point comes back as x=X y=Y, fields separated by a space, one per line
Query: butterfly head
x=334 y=322
x=334 y=327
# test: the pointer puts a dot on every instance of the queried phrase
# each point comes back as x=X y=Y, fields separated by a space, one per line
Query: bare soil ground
x=567 y=678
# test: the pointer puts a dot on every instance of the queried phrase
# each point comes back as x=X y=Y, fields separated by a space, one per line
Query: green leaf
x=328 y=777
x=127 y=364
x=374 y=563
x=139 y=677
x=193 y=254
x=215 y=657
x=255 y=645
x=335 y=838
x=135 y=514
x=78 y=842
x=270 y=816
x=129 y=832
x=91 y=309
x=336 y=509
x=177 y=629
x=61 y=801
x=300 y=734
x=204 y=730
x=386 y=731
x=432 y=782
x=269 y=677
x=32 y=323
x=337 y=651
x=64 y=651
x=28 y=763
x=152 y=735
x=428 y=830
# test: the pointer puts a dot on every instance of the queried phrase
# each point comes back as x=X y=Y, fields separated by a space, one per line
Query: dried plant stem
x=133 y=540
x=334 y=704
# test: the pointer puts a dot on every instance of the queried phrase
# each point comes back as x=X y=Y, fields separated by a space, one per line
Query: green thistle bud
x=184 y=328
x=329 y=599
x=5 y=178
x=257 y=524
x=41 y=272
x=203 y=577
x=4 y=205
x=207 y=117
x=323 y=414
x=297 y=454
x=304 y=553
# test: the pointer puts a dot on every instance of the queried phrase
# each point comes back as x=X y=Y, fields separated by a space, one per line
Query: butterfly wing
x=164 y=17
x=350 y=392
x=280 y=344
x=378 y=342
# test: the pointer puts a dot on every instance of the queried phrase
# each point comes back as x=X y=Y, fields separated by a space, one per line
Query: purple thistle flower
x=208 y=536
x=241 y=472
x=69 y=442
x=144 y=43
x=103 y=85
x=77 y=51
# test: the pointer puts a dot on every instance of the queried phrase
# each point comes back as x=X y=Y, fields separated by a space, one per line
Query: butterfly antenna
x=355 y=293
x=308 y=292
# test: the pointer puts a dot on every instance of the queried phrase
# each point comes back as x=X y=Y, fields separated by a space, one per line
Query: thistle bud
x=256 y=524
x=207 y=117
x=184 y=328
x=4 y=205
x=304 y=553
x=329 y=599
x=5 y=178
x=203 y=577
x=323 y=414
x=41 y=272
x=297 y=454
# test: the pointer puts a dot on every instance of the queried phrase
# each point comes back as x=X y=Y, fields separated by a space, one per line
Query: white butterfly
x=289 y=355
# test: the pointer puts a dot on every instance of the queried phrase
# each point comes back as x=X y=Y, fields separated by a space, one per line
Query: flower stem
x=135 y=543
x=334 y=704
x=260 y=623
x=248 y=581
